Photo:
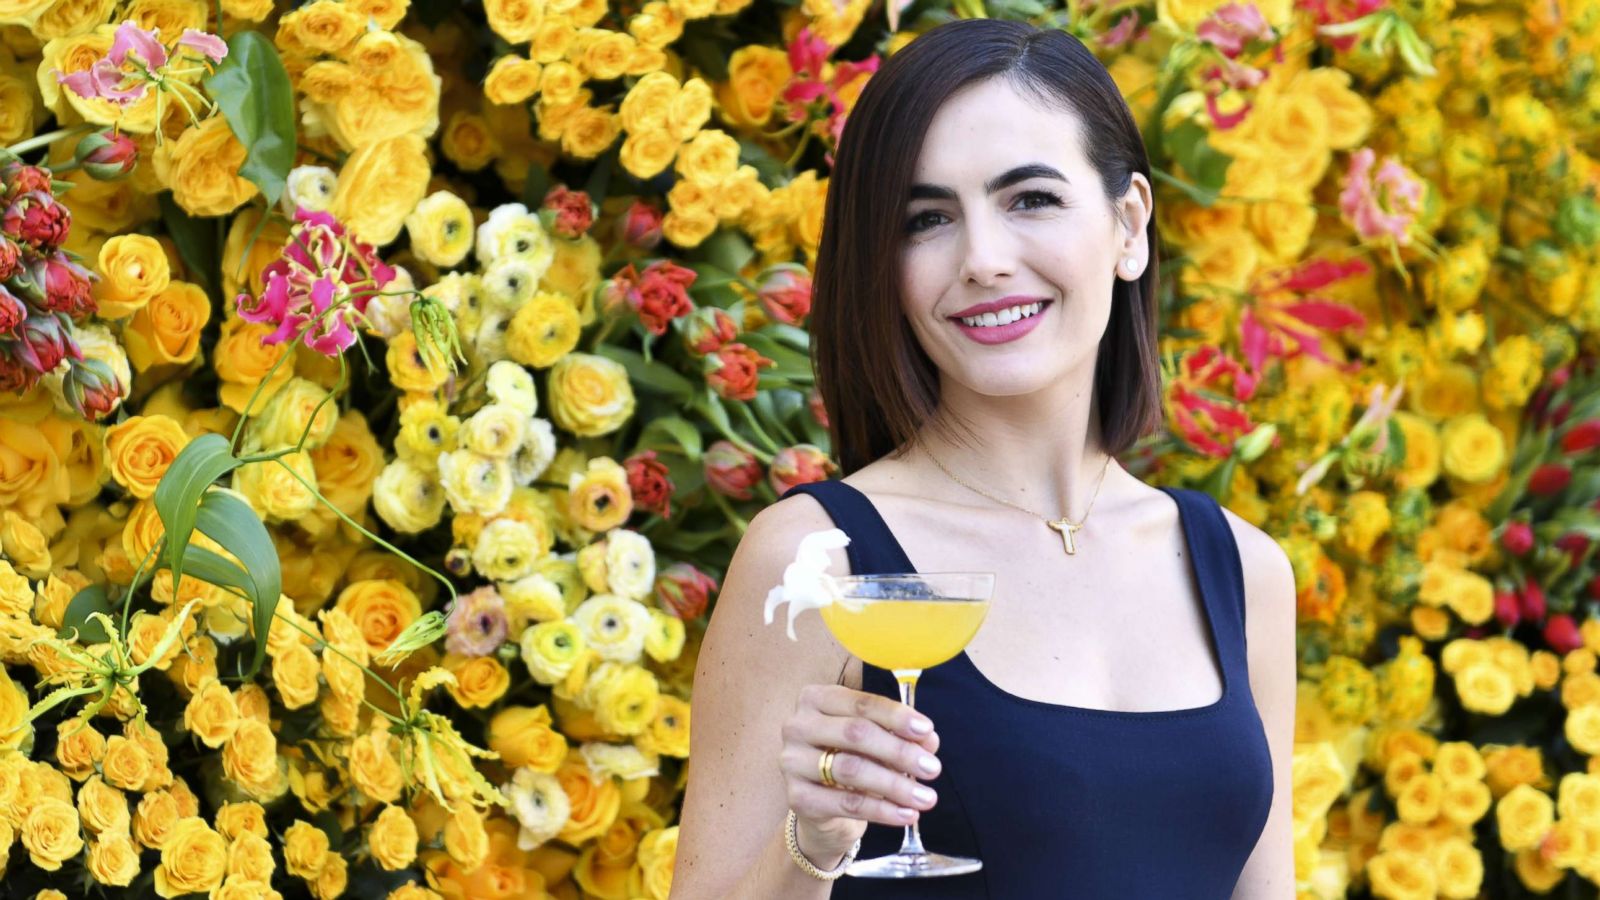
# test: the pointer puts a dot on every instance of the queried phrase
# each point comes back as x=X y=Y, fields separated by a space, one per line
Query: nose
x=988 y=254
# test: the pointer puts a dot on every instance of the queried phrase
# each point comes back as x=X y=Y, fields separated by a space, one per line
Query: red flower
x=731 y=471
x=662 y=295
x=15 y=375
x=1594 y=587
x=800 y=464
x=650 y=482
x=1531 y=599
x=10 y=259
x=36 y=219
x=1517 y=539
x=574 y=212
x=1583 y=436
x=25 y=179
x=708 y=329
x=786 y=293
x=818 y=410
x=65 y=285
x=93 y=389
x=12 y=313
x=641 y=225
x=46 y=341
x=1561 y=633
x=684 y=590
x=1549 y=479
x=1574 y=544
x=1506 y=611
x=737 y=372
x=107 y=156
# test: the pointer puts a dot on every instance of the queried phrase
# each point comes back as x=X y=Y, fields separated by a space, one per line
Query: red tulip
x=708 y=329
x=1561 y=633
x=737 y=372
x=819 y=411
x=1531 y=599
x=1549 y=479
x=641 y=225
x=574 y=211
x=800 y=464
x=650 y=483
x=731 y=471
x=1517 y=538
x=785 y=293
x=1583 y=436
x=1574 y=545
x=684 y=590
x=1506 y=610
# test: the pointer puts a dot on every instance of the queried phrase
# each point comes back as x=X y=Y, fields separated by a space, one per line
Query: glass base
x=913 y=865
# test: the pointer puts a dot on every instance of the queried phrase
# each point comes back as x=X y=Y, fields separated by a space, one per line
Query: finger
x=862 y=774
x=813 y=801
x=866 y=738
x=891 y=715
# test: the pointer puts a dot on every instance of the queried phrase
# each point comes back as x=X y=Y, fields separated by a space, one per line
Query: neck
x=1041 y=451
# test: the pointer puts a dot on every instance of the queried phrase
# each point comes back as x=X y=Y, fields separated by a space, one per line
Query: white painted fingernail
x=923 y=794
x=928 y=764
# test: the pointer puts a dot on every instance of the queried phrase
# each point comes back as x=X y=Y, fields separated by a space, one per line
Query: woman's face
x=1006 y=214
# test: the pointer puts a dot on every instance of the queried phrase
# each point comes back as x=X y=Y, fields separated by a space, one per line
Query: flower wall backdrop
x=384 y=387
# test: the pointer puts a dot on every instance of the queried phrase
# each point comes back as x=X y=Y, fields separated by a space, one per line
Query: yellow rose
x=201 y=167
x=140 y=449
x=250 y=10
x=589 y=395
x=1583 y=729
x=468 y=141
x=689 y=109
x=155 y=818
x=381 y=608
x=644 y=108
x=374 y=768
x=392 y=840
x=656 y=26
x=103 y=808
x=193 y=860
x=552 y=40
x=71 y=54
x=1525 y=816
x=441 y=229
x=126 y=764
x=250 y=760
x=595 y=802
x=512 y=79
x=1473 y=449
x=32 y=476
x=326 y=26
x=250 y=857
x=514 y=20
x=24 y=544
x=379 y=185
x=242 y=362
x=275 y=493
x=50 y=832
x=523 y=736
x=72 y=17
x=688 y=228
x=465 y=838
x=305 y=850
x=657 y=854
x=244 y=817
x=384 y=89
x=588 y=132
x=708 y=158
x=333 y=879
x=756 y=77
x=348 y=464
x=295 y=672
x=1421 y=466
x=387 y=13
x=212 y=714
x=113 y=859
x=79 y=748
x=167 y=329
x=480 y=680
x=133 y=268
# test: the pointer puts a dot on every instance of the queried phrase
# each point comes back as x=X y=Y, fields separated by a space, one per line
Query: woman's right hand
x=877 y=739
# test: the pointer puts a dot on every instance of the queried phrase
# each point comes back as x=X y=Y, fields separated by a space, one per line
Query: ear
x=1135 y=209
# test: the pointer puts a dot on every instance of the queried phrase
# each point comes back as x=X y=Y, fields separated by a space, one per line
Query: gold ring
x=825 y=767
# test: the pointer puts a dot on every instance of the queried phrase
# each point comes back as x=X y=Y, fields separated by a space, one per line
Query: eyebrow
x=999 y=182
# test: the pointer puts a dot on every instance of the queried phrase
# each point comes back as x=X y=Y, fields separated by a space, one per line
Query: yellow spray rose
x=392 y=840
x=589 y=395
x=380 y=184
x=202 y=169
x=50 y=833
x=166 y=330
x=133 y=268
x=380 y=608
x=384 y=88
x=113 y=859
x=512 y=79
x=140 y=448
x=305 y=848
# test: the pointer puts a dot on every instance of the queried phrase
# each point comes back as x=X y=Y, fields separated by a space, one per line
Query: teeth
x=1003 y=317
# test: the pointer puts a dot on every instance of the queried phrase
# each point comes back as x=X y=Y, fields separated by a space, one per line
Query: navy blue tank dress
x=1079 y=804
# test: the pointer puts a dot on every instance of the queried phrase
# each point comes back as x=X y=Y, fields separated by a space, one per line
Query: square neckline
x=1207 y=602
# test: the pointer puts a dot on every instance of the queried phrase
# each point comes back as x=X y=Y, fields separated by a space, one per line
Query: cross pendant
x=1067 y=529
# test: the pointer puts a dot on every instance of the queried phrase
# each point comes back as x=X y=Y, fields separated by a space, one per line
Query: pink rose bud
x=1561 y=633
x=684 y=590
x=641 y=225
x=106 y=155
x=1583 y=436
x=708 y=329
x=1506 y=611
x=93 y=389
x=1531 y=599
x=1549 y=479
x=800 y=464
x=785 y=293
x=1517 y=539
x=731 y=471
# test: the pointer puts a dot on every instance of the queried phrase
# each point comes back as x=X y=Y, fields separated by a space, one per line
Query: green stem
x=761 y=433
x=46 y=139
x=728 y=510
x=327 y=646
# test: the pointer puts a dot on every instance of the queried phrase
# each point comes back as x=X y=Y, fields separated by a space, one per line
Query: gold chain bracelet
x=806 y=865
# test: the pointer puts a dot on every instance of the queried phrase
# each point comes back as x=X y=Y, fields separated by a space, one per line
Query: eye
x=920 y=222
x=1043 y=198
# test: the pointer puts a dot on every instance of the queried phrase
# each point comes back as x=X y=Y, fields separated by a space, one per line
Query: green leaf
x=231 y=522
x=655 y=377
x=177 y=498
x=252 y=89
x=672 y=432
x=1208 y=167
x=727 y=249
x=196 y=240
x=83 y=604
x=536 y=185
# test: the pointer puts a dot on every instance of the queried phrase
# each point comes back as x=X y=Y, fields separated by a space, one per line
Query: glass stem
x=911 y=844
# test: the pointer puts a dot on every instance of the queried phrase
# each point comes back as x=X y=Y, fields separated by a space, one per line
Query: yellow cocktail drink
x=905 y=634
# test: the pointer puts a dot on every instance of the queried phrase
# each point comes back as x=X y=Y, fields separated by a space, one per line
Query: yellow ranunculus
x=139 y=450
x=589 y=395
x=543 y=330
x=166 y=330
x=441 y=229
x=551 y=650
x=668 y=734
x=133 y=268
x=275 y=493
x=380 y=184
x=408 y=497
x=623 y=697
x=598 y=498
x=202 y=169
x=1473 y=449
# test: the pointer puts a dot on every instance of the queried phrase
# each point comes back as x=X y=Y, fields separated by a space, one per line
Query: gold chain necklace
x=1066 y=527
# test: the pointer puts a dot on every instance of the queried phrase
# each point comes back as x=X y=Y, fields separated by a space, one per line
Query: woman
x=984 y=334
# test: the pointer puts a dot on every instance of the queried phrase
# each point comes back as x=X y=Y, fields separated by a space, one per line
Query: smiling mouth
x=1005 y=316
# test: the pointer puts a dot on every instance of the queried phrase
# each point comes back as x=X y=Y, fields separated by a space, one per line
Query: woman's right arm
x=762 y=707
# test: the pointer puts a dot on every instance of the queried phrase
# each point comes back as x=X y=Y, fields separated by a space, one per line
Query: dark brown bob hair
x=877 y=384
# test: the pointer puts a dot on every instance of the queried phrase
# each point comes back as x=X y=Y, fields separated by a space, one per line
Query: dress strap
x=873 y=549
x=1211 y=541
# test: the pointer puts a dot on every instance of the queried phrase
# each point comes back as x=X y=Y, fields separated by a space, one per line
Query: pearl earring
x=1130 y=265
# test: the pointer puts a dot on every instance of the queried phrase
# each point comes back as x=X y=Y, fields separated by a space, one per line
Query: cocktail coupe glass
x=906 y=623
